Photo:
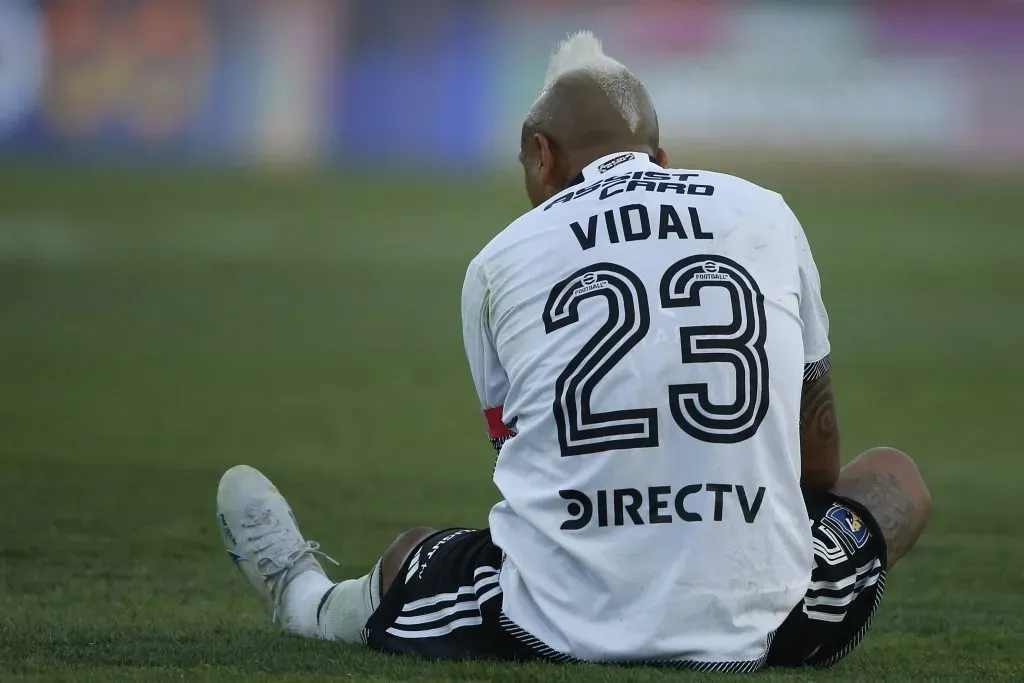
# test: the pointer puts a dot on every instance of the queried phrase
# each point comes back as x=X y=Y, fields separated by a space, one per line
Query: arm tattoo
x=889 y=504
x=818 y=424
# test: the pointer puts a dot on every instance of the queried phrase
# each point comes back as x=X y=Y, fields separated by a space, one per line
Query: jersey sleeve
x=813 y=316
x=489 y=376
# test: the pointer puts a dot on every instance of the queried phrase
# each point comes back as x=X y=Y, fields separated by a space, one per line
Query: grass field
x=158 y=327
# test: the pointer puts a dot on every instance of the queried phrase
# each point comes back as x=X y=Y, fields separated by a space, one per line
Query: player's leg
x=261 y=535
x=433 y=593
x=398 y=552
x=887 y=482
x=343 y=610
x=870 y=519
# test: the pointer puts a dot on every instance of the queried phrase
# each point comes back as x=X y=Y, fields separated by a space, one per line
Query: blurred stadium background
x=236 y=230
x=335 y=81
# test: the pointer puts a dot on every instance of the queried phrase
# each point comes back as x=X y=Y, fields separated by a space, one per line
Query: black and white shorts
x=847 y=583
x=446 y=603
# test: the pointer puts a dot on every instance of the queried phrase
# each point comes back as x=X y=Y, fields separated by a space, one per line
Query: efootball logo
x=847 y=522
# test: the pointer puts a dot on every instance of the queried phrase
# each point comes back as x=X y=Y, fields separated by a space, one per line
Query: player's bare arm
x=819 y=435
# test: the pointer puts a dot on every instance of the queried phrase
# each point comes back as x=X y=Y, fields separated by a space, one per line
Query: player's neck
x=580 y=160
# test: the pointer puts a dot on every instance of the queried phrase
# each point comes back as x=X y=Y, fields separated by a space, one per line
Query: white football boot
x=261 y=535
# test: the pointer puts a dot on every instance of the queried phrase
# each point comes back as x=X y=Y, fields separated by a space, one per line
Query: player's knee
x=394 y=557
x=887 y=483
x=896 y=463
x=410 y=538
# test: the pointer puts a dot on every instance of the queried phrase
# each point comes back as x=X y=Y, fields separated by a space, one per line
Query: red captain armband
x=497 y=429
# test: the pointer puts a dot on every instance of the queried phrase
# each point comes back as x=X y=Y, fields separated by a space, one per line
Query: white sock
x=348 y=606
x=300 y=601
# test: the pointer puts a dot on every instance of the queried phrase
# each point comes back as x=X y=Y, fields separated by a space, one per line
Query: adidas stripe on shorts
x=445 y=602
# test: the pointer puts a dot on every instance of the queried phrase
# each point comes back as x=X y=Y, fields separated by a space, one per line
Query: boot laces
x=276 y=569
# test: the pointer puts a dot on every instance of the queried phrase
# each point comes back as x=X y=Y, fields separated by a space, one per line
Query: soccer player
x=650 y=348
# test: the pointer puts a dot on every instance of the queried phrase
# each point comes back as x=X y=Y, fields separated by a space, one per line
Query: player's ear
x=547 y=162
x=661 y=156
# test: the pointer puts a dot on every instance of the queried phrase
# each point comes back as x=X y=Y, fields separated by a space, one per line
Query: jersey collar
x=618 y=162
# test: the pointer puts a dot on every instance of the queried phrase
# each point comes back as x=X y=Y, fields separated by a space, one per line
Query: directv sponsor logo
x=661 y=505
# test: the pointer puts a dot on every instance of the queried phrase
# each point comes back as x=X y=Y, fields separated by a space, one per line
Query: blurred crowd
x=446 y=82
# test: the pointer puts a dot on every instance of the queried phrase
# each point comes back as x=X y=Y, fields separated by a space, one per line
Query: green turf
x=156 y=328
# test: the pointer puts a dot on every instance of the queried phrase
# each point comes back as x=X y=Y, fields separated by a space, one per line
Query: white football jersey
x=638 y=344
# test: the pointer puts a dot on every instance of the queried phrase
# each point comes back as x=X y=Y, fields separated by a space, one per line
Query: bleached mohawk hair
x=582 y=51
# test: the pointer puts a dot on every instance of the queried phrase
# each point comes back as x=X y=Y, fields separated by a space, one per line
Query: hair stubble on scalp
x=591 y=104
